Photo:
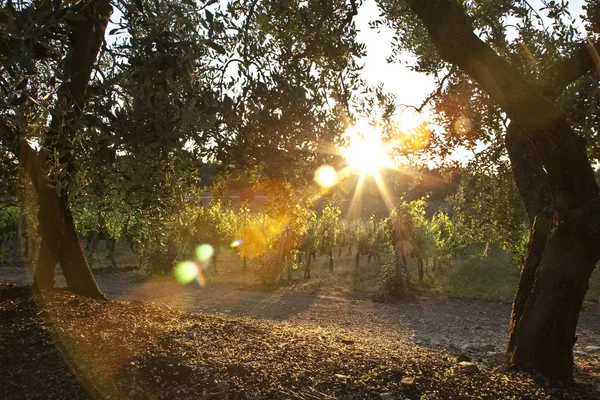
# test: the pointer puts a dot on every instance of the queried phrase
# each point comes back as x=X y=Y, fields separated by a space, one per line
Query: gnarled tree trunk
x=60 y=242
x=556 y=182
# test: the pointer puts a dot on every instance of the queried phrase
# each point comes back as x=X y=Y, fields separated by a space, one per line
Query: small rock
x=407 y=380
x=468 y=366
x=463 y=357
x=466 y=347
x=386 y=396
x=340 y=376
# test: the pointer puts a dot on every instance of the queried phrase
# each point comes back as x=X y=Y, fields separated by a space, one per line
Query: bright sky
x=409 y=87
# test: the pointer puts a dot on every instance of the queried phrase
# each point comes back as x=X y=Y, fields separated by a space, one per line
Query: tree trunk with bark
x=111 y=243
x=307 y=267
x=60 y=242
x=420 y=269
x=556 y=183
x=331 y=261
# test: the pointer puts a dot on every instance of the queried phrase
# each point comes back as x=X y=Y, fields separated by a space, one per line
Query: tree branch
x=566 y=71
x=561 y=151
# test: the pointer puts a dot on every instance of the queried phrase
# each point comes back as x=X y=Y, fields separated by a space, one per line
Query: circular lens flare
x=204 y=252
x=186 y=272
x=326 y=176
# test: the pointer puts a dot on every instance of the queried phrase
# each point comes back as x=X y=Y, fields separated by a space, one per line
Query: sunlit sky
x=409 y=87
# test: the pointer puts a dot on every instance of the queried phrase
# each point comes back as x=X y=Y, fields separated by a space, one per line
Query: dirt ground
x=433 y=322
x=424 y=336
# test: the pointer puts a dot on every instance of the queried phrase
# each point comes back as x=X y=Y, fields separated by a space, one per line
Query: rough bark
x=556 y=182
x=532 y=183
x=59 y=237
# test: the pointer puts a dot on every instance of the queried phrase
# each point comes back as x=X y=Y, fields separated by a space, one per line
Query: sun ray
x=385 y=194
x=353 y=210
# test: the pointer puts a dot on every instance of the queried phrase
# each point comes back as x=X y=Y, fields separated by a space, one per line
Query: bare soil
x=158 y=339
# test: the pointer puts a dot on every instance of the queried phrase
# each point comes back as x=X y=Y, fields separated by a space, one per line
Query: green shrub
x=160 y=258
x=393 y=284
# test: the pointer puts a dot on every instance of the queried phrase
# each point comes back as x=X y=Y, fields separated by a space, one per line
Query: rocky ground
x=162 y=340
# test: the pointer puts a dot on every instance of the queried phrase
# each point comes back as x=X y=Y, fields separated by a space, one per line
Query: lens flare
x=527 y=53
x=253 y=242
x=204 y=252
x=326 y=176
x=593 y=54
x=186 y=271
x=201 y=279
x=236 y=243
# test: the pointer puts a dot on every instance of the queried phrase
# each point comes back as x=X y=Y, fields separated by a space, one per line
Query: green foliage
x=215 y=224
x=9 y=222
x=489 y=210
x=446 y=236
x=161 y=258
x=310 y=239
x=86 y=218
x=327 y=228
x=414 y=228
x=392 y=283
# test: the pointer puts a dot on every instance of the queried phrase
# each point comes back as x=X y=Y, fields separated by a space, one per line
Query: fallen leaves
x=59 y=345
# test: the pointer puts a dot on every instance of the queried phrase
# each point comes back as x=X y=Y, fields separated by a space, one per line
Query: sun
x=366 y=152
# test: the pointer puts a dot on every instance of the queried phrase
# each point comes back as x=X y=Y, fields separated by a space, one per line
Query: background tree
x=327 y=231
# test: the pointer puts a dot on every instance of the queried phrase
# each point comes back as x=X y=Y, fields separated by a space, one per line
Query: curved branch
x=561 y=151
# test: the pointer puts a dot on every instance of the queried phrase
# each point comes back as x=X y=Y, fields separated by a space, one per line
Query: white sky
x=409 y=87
